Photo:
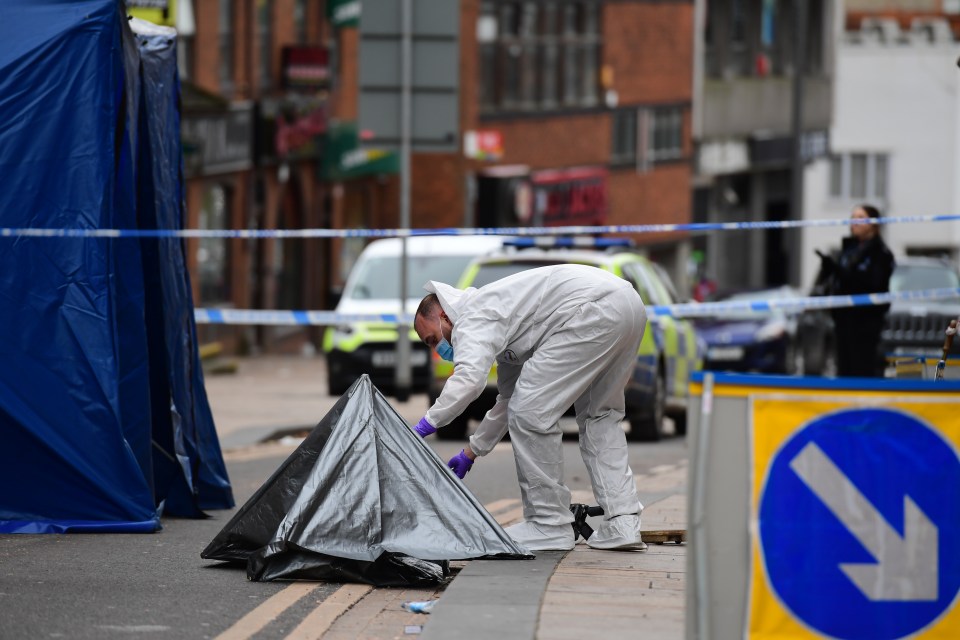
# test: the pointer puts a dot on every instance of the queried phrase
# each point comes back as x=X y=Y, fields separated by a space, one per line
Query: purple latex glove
x=424 y=428
x=460 y=464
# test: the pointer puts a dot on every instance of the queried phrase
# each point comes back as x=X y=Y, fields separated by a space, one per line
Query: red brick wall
x=437 y=190
x=658 y=197
x=648 y=53
x=438 y=179
x=348 y=77
x=649 y=49
x=206 y=64
x=558 y=141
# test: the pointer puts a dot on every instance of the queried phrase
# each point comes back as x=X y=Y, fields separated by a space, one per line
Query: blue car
x=753 y=341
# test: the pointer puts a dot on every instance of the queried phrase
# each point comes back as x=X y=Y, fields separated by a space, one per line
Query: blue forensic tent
x=104 y=421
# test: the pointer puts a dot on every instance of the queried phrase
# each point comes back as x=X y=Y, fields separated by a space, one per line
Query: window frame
x=657 y=136
x=219 y=249
x=876 y=187
x=265 y=20
x=226 y=43
x=543 y=55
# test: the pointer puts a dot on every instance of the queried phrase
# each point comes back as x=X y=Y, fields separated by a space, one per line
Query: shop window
x=213 y=253
x=226 y=45
x=859 y=176
x=647 y=136
x=537 y=56
x=288 y=257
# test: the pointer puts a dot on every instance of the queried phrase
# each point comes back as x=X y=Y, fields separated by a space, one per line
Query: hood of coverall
x=451 y=298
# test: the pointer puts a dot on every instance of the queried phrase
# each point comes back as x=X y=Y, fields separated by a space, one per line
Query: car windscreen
x=914 y=278
x=379 y=277
x=493 y=271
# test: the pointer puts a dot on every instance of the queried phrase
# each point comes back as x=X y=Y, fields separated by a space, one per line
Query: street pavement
x=578 y=594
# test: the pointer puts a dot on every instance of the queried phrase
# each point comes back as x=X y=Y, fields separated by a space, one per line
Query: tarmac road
x=157 y=586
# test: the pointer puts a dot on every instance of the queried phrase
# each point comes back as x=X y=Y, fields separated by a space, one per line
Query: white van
x=374 y=287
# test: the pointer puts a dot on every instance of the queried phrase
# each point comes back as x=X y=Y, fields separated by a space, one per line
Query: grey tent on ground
x=362 y=499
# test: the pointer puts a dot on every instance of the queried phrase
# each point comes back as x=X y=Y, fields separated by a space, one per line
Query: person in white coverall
x=561 y=335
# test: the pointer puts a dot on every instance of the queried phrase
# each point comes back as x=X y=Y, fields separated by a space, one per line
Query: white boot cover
x=620 y=533
x=542 y=537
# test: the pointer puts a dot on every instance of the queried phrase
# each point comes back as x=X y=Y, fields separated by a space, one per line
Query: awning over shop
x=343 y=158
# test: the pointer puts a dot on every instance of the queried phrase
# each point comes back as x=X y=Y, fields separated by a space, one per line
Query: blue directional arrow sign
x=859 y=524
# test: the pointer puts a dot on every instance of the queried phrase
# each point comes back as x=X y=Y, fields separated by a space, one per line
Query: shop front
x=511 y=196
x=217 y=139
x=363 y=195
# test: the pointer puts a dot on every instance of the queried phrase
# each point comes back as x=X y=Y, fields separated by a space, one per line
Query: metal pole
x=699 y=509
x=404 y=375
x=792 y=236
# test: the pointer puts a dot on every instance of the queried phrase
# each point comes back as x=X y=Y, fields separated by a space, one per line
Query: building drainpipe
x=792 y=237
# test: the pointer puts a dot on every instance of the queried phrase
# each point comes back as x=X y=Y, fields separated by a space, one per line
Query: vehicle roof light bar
x=578 y=242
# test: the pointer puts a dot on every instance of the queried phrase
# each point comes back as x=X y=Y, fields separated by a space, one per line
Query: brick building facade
x=642 y=68
x=590 y=100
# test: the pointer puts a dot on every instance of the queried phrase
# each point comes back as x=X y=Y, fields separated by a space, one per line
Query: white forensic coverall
x=561 y=335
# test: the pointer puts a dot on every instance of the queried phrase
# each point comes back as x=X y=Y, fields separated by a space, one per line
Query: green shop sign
x=343 y=13
x=343 y=158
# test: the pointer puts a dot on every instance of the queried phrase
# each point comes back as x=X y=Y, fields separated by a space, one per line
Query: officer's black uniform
x=863 y=267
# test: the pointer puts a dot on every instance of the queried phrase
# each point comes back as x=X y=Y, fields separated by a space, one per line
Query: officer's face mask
x=444 y=349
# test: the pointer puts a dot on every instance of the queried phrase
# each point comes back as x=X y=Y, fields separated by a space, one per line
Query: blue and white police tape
x=307 y=318
x=693 y=227
x=688 y=310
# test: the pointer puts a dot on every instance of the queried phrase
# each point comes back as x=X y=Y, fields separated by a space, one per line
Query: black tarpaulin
x=362 y=499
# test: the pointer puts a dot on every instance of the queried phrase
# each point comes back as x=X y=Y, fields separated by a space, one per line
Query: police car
x=669 y=352
x=373 y=287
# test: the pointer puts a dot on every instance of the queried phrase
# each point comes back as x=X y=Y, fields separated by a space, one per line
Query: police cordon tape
x=454 y=231
x=686 y=310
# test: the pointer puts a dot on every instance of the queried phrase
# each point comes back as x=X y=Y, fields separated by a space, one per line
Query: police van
x=373 y=287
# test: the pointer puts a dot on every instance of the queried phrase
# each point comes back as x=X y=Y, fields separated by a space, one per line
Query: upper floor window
x=646 y=136
x=623 y=146
x=859 y=176
x=538 y=55
x=757 y=37
x=300 y=20
x=264 y=30
x=225 y=36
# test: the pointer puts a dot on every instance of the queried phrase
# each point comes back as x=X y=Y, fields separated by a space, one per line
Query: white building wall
x=902 y=99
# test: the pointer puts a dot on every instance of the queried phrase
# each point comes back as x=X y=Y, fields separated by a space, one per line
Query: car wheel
x=456 y=430
x=680 y=423
x=793 y=360
x=649 y=428
x=829 y=369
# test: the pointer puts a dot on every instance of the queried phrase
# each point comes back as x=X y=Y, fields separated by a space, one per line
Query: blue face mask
x=444 y=349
